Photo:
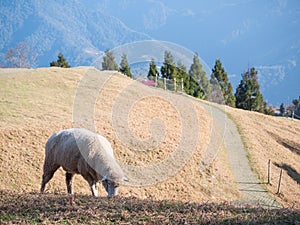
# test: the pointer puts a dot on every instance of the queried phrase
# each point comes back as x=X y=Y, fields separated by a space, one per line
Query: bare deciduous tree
x=20 y=56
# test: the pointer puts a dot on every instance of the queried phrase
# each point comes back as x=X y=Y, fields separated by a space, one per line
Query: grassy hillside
x=36 y=103
x=276 y=139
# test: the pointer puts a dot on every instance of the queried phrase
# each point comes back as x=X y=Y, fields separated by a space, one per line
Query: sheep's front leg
x=94 y=189
x=93 y=185
x=70 y=183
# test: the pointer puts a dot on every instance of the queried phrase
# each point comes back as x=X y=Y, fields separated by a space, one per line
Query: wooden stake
x=269 y=172
x=279 y=183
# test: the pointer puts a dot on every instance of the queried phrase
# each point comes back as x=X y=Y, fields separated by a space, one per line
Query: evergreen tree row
x=195 y=81
x=248 y=95
x=110 y=64
x=292 y=110
x=217 y=89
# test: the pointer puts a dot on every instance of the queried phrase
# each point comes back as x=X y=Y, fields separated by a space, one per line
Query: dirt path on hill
x=251 y=188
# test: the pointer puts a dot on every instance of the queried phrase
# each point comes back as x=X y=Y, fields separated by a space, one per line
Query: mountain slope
x=81 y=32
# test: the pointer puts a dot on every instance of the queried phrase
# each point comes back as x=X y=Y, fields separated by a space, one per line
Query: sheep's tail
x=52 y=142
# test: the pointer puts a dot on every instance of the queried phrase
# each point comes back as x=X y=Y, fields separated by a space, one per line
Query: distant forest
x=216 y=89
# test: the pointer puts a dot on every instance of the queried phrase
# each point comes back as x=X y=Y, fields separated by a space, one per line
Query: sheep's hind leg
x=69 y=182
x=47 y=176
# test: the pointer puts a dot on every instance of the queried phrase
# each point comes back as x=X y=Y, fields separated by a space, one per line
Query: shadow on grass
x=59 y=208
x=290 y=171
x=292 y=146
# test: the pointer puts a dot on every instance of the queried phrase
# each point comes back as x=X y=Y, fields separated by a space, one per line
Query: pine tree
x=168 y=70
x=153 y=72
x=190 y=85
x=182 y=75
x=198 y=74
x=230 y=98
x=282 y=109
x=248 y=94
x=124 y=67
x=109 y=61
x=296 y=110
x=181 y=70
x=267 y=109
x=219 y=80
x=61 y=62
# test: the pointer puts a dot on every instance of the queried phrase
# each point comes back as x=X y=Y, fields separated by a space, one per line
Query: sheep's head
x=112 y=187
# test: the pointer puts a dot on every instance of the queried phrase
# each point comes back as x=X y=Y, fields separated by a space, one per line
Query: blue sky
x=261 y=34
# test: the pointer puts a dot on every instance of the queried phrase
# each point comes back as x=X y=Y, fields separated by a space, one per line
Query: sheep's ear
x=104 y=178
x=125 y=179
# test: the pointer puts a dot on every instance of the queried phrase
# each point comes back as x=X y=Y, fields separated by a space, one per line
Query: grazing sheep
x=81 y=151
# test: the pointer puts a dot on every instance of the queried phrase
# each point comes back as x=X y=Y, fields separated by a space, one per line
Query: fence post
x=279 y=183
x=182 y=85
x=269 y=172
x=155 y=80
x=165 y=83
x=175 y=88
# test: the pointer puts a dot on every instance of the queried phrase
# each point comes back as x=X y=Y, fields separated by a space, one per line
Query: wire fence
x=177 y=85
x=275 y=180
x=174 y=84
x=278 y=176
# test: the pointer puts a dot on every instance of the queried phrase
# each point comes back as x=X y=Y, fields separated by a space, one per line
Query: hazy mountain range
x=80 y=31
x=242 y=33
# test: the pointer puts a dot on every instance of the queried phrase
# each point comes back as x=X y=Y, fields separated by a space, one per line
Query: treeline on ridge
x=216 y=89
x=195 y=82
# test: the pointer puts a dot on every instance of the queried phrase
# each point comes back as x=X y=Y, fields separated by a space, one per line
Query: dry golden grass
x=36 y=103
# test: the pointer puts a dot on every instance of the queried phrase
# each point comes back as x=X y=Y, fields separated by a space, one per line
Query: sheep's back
x=68 y=147
x=62 y=149
x=99 y=154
